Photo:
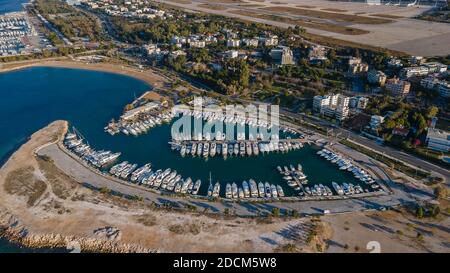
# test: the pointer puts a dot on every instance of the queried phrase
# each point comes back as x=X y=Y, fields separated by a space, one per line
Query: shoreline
x=145 y=75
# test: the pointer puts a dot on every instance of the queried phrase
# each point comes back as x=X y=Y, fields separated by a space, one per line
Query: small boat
x=253 y=188
x=267 y=190
x=246 y=189
x=261 y=189
x=241 y=194
x=273 y=190
x=234 y=190
x=216 y=190
x=196 y=187
x=280 y=191
x=228 y=193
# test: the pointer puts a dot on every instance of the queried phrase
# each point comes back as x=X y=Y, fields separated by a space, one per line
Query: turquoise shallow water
x=34 y=97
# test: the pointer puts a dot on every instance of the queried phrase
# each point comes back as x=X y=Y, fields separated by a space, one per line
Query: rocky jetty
x=105 y=240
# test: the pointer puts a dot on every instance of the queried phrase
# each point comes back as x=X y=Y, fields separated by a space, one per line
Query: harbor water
x=89 y=99
x=58 y=93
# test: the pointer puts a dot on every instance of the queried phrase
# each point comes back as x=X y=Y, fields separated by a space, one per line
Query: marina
x=153 y=148
x=234 y=148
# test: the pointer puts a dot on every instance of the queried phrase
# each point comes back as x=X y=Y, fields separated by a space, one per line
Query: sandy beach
x=148 y=76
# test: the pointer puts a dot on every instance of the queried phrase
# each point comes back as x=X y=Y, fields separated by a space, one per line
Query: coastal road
x=400 y=155
x=343 y=133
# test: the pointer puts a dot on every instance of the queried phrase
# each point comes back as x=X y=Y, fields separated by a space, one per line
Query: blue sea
x=11 y=5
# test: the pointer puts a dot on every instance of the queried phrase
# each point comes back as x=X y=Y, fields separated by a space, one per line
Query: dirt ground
x=65 y=207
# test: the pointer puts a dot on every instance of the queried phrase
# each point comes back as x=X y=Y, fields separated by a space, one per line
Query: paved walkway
x=74 y=168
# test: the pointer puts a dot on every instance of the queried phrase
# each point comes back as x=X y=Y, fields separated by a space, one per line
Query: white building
x=320 y=101
x=178 y=40
x=376 y=77
x=376 y=121
x=231 y=54
x=438 y=140
x=397 y=87
x=435 y=67
x=233 y=43
x=358 y=102
x=271 y=40
x=282 y=55
x=177 y=53
x=414 y=71
x=250 y=42
x=197 y=44
x=332 y=106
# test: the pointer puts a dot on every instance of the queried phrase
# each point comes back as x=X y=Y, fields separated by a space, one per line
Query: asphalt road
x=410 y=159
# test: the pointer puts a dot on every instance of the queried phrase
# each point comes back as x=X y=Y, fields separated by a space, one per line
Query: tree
x=419 y=212
x=276 y=212
x=440 y=192
x=432 y=111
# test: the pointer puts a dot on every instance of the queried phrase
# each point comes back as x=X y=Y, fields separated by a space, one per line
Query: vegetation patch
x=61 y=184
x=73 y=23
x=212 y=6
x=23 y=183
x=330 y=15
x=147 y=220
x=303 y=23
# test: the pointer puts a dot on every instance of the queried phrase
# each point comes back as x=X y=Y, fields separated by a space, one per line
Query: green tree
x=276 y=212
x=419 y=212
x=432 y=111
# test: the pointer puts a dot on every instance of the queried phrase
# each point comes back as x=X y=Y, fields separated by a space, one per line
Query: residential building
x=429 y=82
x=438 y=140
x=376 y=121
x=250 y=42
x=357 y=68
x=414 y=71
x=444 y=89
x=177 y=53
x=317 y=53
x=178 y=40
x=233 y=43
x=271 y=40
x=341 y=113
x=394 y=62
x=417 y=60
x=397 y=87
x=197 y=43
x=435 y=67
x=358 y=102
x=151 y=49
x=319 y=102
x=231 y=54
x=282 y=55
x=376 y=77
x=332 y=106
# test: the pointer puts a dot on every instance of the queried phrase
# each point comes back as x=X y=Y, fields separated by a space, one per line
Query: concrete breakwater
x=12 y=230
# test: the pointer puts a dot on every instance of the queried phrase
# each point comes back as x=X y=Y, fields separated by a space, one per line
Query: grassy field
x=329 y=15
x=185 y=2
x=303 y=23
x=389 y=16
x=212 y=6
